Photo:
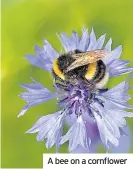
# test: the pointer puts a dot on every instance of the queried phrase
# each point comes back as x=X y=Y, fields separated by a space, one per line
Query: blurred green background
x=24 y=24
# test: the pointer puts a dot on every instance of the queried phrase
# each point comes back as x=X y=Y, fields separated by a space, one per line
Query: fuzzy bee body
x=72 y=68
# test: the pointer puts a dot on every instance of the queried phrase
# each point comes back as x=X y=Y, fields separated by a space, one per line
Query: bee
x=77 y=66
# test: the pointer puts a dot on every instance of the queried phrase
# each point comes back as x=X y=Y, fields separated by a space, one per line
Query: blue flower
x=36 y=94
x=93 y=118
x=50 y=128
x=77 y=135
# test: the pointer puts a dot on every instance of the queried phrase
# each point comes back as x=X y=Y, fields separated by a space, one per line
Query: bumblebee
x=75 y=66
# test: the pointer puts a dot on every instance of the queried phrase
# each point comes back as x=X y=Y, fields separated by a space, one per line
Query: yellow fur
x=91 y=71
x=56 y=70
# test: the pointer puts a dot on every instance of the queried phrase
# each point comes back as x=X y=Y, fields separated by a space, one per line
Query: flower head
x=90 y=115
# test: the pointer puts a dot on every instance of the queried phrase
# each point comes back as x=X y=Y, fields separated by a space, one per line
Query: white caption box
x=87 y=161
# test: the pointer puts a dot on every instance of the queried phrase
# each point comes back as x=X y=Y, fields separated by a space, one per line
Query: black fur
x=64 y=61
x=79 y=73
x=77 y=51
x=101 y=69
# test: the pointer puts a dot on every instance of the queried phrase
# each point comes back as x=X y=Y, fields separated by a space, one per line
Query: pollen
x=57 y=70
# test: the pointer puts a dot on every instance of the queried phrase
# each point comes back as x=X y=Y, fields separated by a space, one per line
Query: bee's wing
x=82 y=59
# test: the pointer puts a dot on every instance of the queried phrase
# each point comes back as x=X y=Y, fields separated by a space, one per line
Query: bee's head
x=64 y=61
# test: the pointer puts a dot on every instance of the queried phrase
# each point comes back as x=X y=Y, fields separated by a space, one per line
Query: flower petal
x=44 y=56
x=124 y=143
x=84 y=41
x=99 y=43
x=110 y=123
x=67 y=42
x=92 y=130
x=92 y=148
x=34 y=86
x=70 y=119
x=40 y=61
x=118 y=116
x=118 y=95
x=79 y=150
x=120 y=72
x=108 y=130
x=119 y=67
x=50 y=128
x=42 y=121
x=115 y=54
x=92 y=40
x=76 y=39
x=77 y=135
x=36 y=94
x=120 y=63
x=51 y=52
x=108 y=45
x=119 y=92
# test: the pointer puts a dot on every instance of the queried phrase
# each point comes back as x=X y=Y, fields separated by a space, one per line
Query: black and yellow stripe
x=92 y=69
x=100 y=73
x=57 y=71
x=93 y=73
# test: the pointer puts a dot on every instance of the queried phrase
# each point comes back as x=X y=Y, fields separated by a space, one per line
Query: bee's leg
x=90 y=84
x=103 y=90
x=62 y=86
x=92 y=96
x=77 y=51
